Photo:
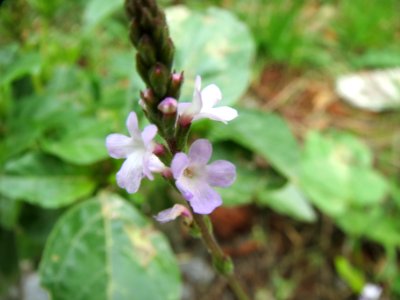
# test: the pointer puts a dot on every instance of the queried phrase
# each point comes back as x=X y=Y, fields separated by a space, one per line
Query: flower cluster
x=193 y=176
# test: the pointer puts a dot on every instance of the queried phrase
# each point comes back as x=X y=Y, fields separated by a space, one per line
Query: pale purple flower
x=137 y=149
x=202 y=105
x=172 y=213
x=195 y=179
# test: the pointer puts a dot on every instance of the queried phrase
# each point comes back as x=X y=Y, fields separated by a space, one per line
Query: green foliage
x=265 y=134
x=105 y=249
x=352 y=276
x=215 y=45
x=290 y=201
x=336 y=171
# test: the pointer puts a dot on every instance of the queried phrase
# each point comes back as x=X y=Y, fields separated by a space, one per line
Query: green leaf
x=105 y=249
x=337 y=173
x=9 y=212
x=46 y=191
x=215 y=45
x=378 y=223
x=82 y=143
x=266 y=134
x=97 y=10
x=290 y=201
x=28 y=63
x=244 y=189
x=352 y=276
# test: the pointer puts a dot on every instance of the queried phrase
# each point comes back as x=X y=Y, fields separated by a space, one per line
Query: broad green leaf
x=82 y=143
x=378 y=223
x=215 y=45
x=96 y=10
x=104 y=249
x=337 y=173
x=46 y=191
x=290 y=201
x=266 y=134
x=244 y=189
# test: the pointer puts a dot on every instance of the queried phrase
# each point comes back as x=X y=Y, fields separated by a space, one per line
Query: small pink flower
x=137 y=149
x=195 y=179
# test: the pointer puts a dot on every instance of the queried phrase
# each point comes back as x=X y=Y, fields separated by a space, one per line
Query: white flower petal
x=148 y=134
x=132 y=125
x=131 y=173
x=119 y=145
x=222 y=114
x=210 y=95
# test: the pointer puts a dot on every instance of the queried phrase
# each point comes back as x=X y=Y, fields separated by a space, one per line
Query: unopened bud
x=168 y=106
x=176 y=84
x=159 y=77
x=146 y=50
x=147 y=96
x=159 y=150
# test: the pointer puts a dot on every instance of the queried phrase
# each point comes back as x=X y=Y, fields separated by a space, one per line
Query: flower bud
x=159 y=77
x=146 y=50
x=147 y=96
x=159 y=150
x=168 y=106
x=176 y=84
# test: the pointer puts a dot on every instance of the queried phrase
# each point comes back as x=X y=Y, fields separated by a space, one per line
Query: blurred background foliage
x=67 y=79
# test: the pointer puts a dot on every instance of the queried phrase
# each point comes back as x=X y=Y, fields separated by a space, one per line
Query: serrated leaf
x=266 y=134
x=105 y=249
x=215 y=45
x=289 y=201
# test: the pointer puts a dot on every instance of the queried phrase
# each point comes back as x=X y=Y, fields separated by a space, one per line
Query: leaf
x=244 y=189
x=289 y=201
x=215 y=45
x=352 y=276
x=28 y=63
x=44 y=181
x=337 y=173
x=266 y=134
x=9 y=212
x=377 y=223
x=96 y=10
x=82 y=143
x=46 y=191
x=104 y=249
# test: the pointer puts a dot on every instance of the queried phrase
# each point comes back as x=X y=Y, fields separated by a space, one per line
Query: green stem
x=219 y=256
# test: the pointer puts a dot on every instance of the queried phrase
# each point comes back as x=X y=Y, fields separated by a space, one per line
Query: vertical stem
x=218 y=255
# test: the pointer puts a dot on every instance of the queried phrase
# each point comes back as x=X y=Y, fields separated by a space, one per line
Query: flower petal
x=210 y=95
x=119 y=145
x=221 y=173
x=152 y=164
x=204 y=199
x=179 y=164
x=148 y=134
x=172 y=213
x=200 y=152
x=130 y=175
x=222 y=114
x=133 y=125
